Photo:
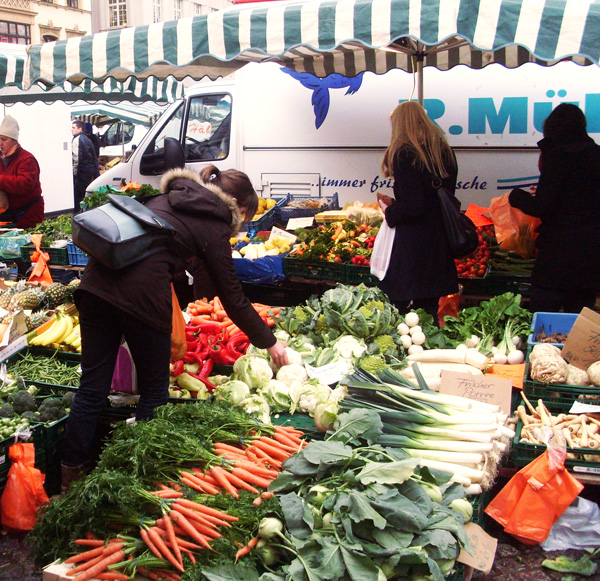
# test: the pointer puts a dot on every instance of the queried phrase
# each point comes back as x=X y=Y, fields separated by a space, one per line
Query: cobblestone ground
x=16 y=562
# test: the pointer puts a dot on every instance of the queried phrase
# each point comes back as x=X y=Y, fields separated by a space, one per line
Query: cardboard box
x=582 y=347
x=57 y=571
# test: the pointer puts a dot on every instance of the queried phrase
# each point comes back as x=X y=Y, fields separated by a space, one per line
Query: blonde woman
x=419 y=159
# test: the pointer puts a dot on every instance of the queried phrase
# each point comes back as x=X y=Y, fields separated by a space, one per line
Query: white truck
x=299 y=135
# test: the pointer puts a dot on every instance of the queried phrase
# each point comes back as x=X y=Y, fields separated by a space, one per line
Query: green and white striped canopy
x=12 y=70
x=102 y=113
x=331 y=36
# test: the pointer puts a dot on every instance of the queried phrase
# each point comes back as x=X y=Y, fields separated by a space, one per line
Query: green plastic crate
x=559 y=393
x=57 y=255
x=314 y=269
x=356 y=274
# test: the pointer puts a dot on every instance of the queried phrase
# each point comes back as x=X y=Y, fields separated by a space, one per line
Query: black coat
x=205 y=218
x=421 y=265
x=567 y=201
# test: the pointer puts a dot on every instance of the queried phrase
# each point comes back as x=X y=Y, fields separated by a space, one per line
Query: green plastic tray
x=355 y=274
x=314 y=269
x=560 y=393
x=57 y=255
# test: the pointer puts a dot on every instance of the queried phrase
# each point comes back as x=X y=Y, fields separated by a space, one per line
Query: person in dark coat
x=421 y=268
x=93 y=137
x=135 y=302
x=85 y=163
x=566 y=273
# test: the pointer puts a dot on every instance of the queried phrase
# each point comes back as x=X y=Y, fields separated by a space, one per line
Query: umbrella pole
x=420 y=59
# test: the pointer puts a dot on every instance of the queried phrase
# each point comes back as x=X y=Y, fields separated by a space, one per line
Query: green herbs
x=52 y=229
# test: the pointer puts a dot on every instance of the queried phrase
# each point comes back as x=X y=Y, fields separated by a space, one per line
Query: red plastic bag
x=40 y=272
x=514 y=229
x=448 y=306
x=24 y=492
x=178 y=341
x=535 y=497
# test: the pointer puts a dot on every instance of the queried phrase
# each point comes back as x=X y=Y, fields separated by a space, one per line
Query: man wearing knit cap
x=22 y=203
x=85 y=162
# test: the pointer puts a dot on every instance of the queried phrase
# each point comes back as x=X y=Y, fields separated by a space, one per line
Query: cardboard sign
x=304 y=222
x=582 y=346
x=483 y=549
x=282 y=234
x=493 y=390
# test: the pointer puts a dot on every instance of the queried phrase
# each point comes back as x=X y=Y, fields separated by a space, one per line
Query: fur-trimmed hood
x=187 y=192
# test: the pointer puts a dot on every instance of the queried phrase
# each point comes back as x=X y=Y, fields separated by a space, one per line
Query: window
x=208 y=128
x=14 y=32
x=157 y=17
x=49 y=38
x=73 y=3
x=117 y=13
x=198 y=9
x=177 y=9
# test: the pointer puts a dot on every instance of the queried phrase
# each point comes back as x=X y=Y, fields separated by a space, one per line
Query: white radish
x=411 y=319
x=472 y=341
x=415 y=329
x=415 y=350
x=403 y=329
x=500 y=358
x=418 y=338
x=406 y=341
x=515 y=357
x=461 y=347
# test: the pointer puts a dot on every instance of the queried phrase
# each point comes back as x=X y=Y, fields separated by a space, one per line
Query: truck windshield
x=208 y=128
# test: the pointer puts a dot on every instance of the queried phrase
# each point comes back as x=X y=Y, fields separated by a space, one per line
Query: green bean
x=43 y=369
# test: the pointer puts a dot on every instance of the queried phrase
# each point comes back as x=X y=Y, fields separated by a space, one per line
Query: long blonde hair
x=413 y=130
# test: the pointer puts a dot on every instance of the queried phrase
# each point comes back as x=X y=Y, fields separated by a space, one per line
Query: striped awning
x=12 y=70
x=331 y=36
x=102 y=113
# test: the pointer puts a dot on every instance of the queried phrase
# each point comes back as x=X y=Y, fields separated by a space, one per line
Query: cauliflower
x=349 y=347
x=233 y=391
x=277 y=395
x=254 y=371
x=256 y=406
x=291 y=373
x=293 y=356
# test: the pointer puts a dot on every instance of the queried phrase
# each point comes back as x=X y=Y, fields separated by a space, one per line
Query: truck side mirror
x=170 y=156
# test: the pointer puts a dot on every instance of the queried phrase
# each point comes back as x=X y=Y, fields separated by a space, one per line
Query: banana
x=56 y=332
x=37 y=340
x=68 y=330
x=73 y=335
x=77 y=344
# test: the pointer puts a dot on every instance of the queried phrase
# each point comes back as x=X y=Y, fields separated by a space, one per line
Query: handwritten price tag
x=492 y=390
x=483 y=549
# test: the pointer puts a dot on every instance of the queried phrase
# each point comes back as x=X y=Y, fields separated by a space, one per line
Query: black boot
x=69 y=475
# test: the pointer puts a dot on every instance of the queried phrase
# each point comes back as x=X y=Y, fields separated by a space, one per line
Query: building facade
x=114 y=14
x=37 y=21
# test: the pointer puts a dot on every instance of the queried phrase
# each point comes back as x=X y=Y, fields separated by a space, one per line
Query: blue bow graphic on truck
x=320 y=89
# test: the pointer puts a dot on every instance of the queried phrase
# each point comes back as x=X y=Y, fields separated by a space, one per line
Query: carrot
x=262 y=454
x=162 y=547
x=189 y=529
x=239 y=483
x=181 y=542
x=112 y=576
x=245 y=550
x=172 y=539
x=257 y=501
x=228 y=447
x=249 y=477
x=101 y=566
x=217 y=304
x=149 y=542
x=86 y=555
x=197 y=483
x=204 y=527
x=221 y=478
x=84 y=566
x=167 y=493
x=153 y=575
x=278 y=444
x=288 y=440
x=257 y=469
x=206 y=509
x=89 y=542
x=276 y=453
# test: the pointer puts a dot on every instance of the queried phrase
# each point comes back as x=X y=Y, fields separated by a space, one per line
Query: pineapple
x=38 y=318
x=70 y=288
x=27 y=300
x=55 y=295
x=10 y=292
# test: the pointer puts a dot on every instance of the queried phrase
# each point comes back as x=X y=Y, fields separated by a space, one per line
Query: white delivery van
x=292 y=134
x=120 y=138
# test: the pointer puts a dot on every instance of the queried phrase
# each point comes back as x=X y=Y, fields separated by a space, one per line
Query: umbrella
x=332 y=36
x=103 y=113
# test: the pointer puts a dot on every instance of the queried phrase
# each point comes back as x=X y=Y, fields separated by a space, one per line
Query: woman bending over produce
x=566 y=273
x=421 y=268
x=135 y=302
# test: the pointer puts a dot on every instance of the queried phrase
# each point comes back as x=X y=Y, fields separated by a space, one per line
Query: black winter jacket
x=205 y=218
x=567 y=201
x=421 y=265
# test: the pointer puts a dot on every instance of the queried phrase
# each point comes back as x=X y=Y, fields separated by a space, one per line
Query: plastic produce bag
x=178 y=341
x=448 y=307
x=382 y=250
x=40 y=272
x=535 y=497
x=11 y=242
x=124 y=379
x=24 y=491
x=577 y=528
x=514 y=229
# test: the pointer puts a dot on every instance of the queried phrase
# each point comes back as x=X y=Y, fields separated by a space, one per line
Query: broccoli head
x=22 y=401
x=31 y=416
x=373 y=363
x=385 y=343
x=300 y=314
x=7 y=411
x=321 y=325
x=51 y=414
x=51 y=402
x=67 y=399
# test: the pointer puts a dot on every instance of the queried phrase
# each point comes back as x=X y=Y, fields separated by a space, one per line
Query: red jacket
x=20 y=180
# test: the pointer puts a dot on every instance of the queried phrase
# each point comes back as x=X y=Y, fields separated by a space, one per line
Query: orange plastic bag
x=535 y=497
x=24 y=492
x=178 y=341
x=514 y=229
x=448 y=305
x=40 y=272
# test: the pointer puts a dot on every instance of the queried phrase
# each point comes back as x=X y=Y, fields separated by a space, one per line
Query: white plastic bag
x=576 y=528
x=382 y=250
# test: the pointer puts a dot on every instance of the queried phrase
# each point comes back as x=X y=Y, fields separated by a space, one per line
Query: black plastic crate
x=355 y=274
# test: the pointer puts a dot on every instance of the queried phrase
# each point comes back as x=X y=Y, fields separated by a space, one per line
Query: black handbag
x=460 y=230
x=121 y=232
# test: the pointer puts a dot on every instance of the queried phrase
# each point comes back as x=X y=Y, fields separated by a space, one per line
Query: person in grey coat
x=421 y=268
x=135 y=302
